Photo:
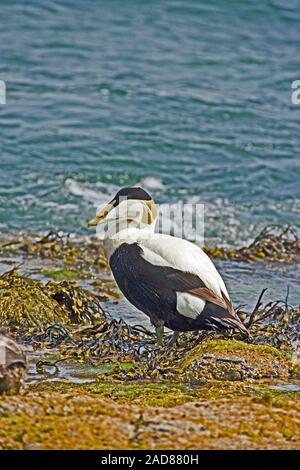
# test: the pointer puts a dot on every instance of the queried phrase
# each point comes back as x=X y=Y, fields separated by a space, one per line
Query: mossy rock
x=91 y=416
x=61 y=274
x=233 y=360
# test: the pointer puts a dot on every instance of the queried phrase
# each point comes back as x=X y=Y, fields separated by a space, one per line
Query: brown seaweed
x=26 y=303
x=275 y=243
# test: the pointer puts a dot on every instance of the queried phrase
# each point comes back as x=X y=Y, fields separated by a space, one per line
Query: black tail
x=227 y=323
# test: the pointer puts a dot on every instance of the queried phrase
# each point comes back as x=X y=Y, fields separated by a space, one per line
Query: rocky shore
x=95 y=382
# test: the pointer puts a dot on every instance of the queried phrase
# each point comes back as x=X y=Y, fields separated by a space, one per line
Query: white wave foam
x=151 y=183
x=105 y=191
x=224 y=223
x=92 y=196
x=227 y=224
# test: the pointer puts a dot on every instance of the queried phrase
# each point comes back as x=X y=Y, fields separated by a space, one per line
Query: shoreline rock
x=141 y=396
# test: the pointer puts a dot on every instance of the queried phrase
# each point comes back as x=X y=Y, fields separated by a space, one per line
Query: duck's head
x=130 y=207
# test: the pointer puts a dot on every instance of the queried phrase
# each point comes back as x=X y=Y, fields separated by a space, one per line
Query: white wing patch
x=188 y=305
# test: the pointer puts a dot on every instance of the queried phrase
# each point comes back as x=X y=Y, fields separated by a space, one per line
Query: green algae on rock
x=61 y=274
x=233 y=360
x=118 y=416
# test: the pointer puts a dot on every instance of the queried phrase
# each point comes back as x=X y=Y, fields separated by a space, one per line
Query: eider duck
x=169 y=279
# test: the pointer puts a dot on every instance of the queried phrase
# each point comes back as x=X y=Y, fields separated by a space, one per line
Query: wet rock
x=94 y=421
x=12 y=365
x=79 y=257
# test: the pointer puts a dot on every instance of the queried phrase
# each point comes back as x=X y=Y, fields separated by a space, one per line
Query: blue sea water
x=191 y=99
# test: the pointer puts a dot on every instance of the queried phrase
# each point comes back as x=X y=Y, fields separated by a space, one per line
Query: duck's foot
x=159 y=329
x=172 y=340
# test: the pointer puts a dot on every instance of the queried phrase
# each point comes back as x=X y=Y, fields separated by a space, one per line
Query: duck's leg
x=159 y=329
x=173 y=340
